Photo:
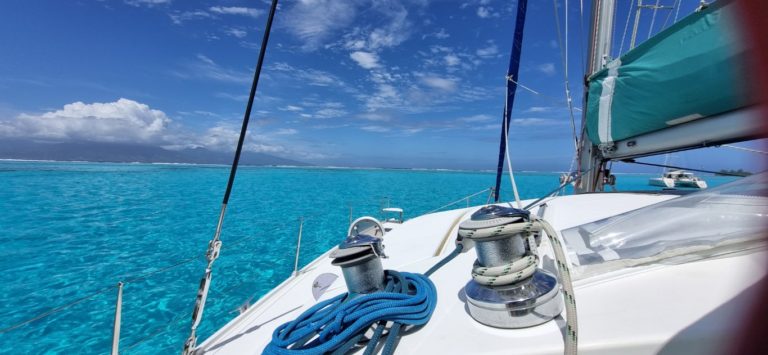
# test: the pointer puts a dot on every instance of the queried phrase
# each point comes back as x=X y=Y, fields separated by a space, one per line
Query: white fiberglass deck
x=693 y=307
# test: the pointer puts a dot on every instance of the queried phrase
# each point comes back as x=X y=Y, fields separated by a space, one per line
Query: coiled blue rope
x=337 y=324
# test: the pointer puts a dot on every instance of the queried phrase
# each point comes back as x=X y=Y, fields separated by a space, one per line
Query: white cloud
x=546 y=68
x=476 y=118
x=149 y=3
x=236 y=32
x=121 y=121
x=395 y=30
x=285 y=132
x=366 y=60
x=309 y=76
x=452 y=60
x=291 y=108
x=483 y=12
x=538 y=109
x=206 y=68
x=314 y=21
x=442 y=34
x=373 y=116
x=490 y=51
x=534 y=122
x=439 y=83
x=232 y=10
x=329 y=113
x=180 y=17
x=377 y=129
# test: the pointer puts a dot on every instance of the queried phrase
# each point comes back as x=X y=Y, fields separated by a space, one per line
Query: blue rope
x=409 y=299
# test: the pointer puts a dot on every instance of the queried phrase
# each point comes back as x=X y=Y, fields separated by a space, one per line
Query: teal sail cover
x=689 y=71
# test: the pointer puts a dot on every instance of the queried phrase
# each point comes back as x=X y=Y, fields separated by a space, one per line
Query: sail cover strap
x=512 y=79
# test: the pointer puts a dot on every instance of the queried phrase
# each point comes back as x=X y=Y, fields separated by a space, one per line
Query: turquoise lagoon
x=70 y=230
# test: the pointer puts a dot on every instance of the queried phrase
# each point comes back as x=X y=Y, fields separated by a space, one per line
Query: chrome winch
x=359 y=257
x=507 y=289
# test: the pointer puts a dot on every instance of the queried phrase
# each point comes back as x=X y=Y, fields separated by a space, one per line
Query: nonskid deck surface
x=662 y=308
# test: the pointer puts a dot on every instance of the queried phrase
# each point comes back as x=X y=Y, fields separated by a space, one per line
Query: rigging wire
x=745 y=149
x=564 y=57
x=676 y=6
x=57 y=309
x=626 y=27
x=653 y=18
x=632 y=161
x=214 y=246
x=677 y=12
x=552 y=99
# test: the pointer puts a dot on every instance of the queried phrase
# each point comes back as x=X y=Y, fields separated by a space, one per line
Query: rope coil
x=338 y=324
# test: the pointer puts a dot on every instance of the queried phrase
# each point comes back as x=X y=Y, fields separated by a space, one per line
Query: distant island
x=128 y=153
x=739 y=172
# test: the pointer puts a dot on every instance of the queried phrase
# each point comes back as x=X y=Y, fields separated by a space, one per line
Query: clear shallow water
x=71 y=229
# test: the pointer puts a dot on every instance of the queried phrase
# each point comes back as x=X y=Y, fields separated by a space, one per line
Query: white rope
x=572 y=326
x=506 y=153
x=498 y=275
x=505 y=274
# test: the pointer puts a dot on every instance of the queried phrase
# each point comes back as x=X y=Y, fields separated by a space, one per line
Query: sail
x=690 y=71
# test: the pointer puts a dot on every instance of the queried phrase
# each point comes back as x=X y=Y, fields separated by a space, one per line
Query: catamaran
x=593 y=272
x=678 y=178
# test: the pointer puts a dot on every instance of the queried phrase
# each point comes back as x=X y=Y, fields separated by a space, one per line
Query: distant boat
x=678 y=178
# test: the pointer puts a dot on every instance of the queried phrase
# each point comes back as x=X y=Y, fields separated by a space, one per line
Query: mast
x=601 y=36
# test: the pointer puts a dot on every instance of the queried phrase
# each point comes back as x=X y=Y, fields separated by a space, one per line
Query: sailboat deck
x=649 y=309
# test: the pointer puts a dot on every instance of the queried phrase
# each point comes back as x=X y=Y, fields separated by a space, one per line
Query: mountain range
x=127 y=152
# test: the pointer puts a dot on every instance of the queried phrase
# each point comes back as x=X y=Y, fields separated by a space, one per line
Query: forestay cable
x=214 y=246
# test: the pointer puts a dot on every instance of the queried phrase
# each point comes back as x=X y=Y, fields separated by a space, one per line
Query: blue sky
x=416 y=83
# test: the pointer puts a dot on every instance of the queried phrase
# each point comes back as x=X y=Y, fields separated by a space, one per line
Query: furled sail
x=691 y=71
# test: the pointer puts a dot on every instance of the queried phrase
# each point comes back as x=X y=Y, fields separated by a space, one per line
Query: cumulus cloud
x=366 y=60
x=121 y=121
x=129 y=121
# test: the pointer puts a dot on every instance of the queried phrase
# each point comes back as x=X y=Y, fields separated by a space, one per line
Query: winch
x=359 y=257
x=507 y=289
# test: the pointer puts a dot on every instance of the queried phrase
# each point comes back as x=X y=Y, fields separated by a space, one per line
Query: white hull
x=662 y=182
x=692 y=308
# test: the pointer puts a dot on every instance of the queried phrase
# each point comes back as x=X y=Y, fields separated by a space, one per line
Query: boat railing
x=119 y=286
